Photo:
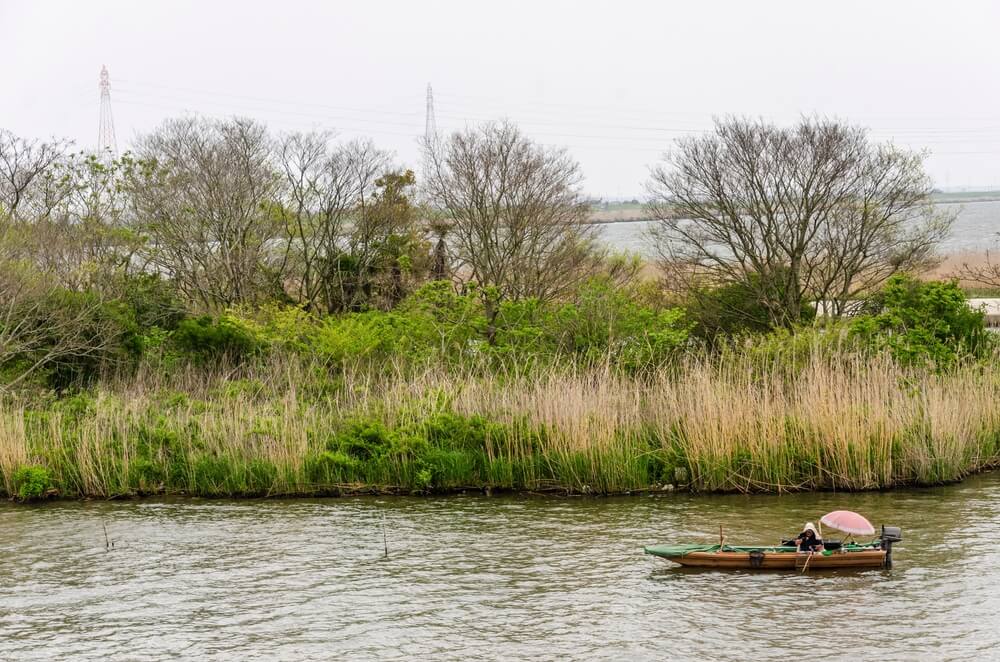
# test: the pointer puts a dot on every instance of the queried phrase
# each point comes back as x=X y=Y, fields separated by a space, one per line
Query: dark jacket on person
x=808 y=542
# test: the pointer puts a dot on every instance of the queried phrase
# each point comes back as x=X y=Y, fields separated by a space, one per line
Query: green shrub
x=152 y=301
x=75 y=338
x=921 y=322
x=371 y=336
x=206 y=340
x=146 y=475
x=32 y=482
x=451 y=431
x=610 y=322
x=331 y=467
x=737 y=308
x=362 y=440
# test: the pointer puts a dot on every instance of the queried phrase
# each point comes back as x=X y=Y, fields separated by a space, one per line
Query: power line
x=287 y=102
x=508 y=109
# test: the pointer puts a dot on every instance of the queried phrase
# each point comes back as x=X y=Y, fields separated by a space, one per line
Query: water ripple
x=500 y=578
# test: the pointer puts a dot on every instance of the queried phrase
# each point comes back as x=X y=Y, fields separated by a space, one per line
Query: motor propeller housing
x=890 y=534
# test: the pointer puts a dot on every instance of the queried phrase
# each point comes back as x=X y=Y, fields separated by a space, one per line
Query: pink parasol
x=848 y=522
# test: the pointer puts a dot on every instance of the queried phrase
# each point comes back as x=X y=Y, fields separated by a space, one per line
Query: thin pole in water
x=385 y=539
x=107 y=542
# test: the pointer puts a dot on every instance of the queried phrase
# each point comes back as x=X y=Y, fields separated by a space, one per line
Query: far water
x=502 y=578
x=976 y=229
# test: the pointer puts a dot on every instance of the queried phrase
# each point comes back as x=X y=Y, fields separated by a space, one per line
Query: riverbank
x=287 y=428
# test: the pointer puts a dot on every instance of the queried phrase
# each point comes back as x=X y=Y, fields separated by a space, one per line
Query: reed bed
x=840 y=422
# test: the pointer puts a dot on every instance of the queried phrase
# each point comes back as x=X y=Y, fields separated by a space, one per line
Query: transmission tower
x=107 y=144
x=430 y=126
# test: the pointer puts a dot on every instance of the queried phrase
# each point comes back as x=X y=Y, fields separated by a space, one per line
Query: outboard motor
x=890 y=534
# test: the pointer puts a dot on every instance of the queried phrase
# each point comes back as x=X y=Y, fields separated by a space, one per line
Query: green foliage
x=603 y=321
x=331 y=467
x=32 y=482
x=371 y=336
x=921 y=322
x=362 y=440
x=737 y=308
x=152 y=300
x=787 y=349
x=206 y=340
x=84 y=336
x=450 y=322
x=609 y=322
x=439 y=450
x=454 y=432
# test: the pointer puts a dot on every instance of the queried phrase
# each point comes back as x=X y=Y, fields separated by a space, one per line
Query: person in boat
x=809 y=540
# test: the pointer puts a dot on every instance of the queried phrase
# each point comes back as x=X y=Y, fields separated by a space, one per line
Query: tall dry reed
x=833 y=422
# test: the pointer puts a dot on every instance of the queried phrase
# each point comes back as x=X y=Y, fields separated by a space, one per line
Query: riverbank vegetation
x=230 y=313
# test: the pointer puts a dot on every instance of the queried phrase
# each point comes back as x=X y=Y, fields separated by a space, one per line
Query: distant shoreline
x=628 y=212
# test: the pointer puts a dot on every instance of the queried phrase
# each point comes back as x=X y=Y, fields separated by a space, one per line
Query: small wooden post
x=721 y=538
x=385 y=539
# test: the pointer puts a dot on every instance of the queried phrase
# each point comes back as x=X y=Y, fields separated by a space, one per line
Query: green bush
x=32 y=482
x=152 y=301
x=74 y=338
x=454 y=432
x=921 y=322
x=331 y=467
x=206 y=340
x=610 y=322
x=362 y=440
x=736 y=308
x=371 y=336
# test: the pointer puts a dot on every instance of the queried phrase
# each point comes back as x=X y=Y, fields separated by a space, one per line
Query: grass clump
x=32 y=483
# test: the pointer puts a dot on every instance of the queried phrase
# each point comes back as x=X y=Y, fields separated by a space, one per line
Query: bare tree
x=517 y=220
x=814 y=212
x=205 y=198
x=40 y=328
x=86 y=240
x=984 y=272
x=336 y=220
x=28 y=176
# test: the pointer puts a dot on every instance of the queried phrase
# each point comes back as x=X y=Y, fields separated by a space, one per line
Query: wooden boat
x=876 y=554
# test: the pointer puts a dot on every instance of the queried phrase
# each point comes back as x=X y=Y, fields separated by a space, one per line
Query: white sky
x=615 y=82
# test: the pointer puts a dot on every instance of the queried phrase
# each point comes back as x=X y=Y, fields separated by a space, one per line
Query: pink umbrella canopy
x=848 y=522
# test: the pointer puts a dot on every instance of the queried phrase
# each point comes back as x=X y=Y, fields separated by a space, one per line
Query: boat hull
x=875 y=558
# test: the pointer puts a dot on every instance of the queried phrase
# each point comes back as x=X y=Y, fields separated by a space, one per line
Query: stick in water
x=107 y=542
x=385 y=539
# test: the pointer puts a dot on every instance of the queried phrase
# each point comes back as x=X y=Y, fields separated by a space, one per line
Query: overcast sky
x=615 y=82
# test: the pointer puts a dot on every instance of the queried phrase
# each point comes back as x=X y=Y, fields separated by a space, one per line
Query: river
x=975 y=229
x=489 y=578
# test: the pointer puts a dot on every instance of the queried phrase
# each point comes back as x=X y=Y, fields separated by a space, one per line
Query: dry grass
x=840 y=422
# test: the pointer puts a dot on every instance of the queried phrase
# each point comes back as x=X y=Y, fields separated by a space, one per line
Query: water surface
x=975 y=230
x=488 y=578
